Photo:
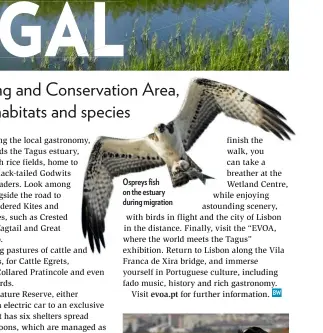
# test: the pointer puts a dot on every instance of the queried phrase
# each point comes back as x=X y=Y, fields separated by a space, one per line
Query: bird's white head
x=162 y=130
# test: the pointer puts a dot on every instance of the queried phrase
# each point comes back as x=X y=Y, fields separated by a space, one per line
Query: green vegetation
x=231 y=50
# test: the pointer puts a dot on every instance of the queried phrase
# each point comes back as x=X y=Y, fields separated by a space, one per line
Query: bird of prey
x=253 y=330
x=168 y=144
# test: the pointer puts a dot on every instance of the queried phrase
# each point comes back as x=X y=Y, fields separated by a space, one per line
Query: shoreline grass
x=262 y=49
x=231 y=50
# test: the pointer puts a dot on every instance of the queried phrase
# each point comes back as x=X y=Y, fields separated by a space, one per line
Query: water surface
x=213 y=16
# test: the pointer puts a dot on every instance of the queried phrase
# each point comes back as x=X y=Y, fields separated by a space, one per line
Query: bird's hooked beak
x=160 y=128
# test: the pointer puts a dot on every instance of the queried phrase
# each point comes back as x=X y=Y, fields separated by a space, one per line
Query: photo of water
x=143 y=26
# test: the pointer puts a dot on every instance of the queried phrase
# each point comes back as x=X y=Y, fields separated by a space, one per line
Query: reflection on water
x=163 y=15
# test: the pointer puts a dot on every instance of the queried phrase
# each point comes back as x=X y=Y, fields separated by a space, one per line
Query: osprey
x=168 y=144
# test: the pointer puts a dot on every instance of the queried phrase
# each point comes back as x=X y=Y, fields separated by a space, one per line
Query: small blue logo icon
x=277 y=292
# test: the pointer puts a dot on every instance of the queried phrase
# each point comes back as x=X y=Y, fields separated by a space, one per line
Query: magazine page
x=158 y=167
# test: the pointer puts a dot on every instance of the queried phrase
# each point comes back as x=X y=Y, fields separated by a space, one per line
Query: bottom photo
x=206 y=323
